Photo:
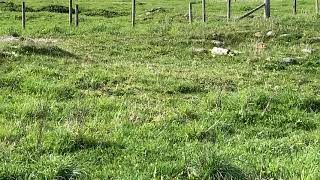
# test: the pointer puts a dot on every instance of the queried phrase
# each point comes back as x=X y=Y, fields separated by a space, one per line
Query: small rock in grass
x=155 y=10
x=9 y=39
x=308 y=50
x=270 y=34
x=261 y=45
x=258 y=34
x=289 y=61
x=314 y=40
x=218 y=51
x=285 y=35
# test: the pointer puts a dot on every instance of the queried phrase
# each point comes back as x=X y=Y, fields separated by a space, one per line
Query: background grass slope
x=108 y=101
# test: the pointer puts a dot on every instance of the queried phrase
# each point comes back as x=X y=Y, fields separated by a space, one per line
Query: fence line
x=266 y=5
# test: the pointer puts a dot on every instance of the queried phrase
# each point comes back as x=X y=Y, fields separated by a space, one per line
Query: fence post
x=204 y=10
x=23 y=15
x=317 y=6
x=267 y=9
x=190 y=12
x=228 y=9
x=294 y=7
x=77 y=15
x=133 y=16
x=70 y=12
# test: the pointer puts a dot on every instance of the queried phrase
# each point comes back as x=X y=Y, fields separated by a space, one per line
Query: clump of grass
x=306 y=124
x=11 y=82
x=13 y=32
x=227 y=129
x=189 y=89
x=78 y=117
x=14 y=175
x=65 y=93
x=68 y=172
x=187 y=116
x=208 y=135
x=218 y=169
x=42 y=111
x=311 y=104
x=290 y=37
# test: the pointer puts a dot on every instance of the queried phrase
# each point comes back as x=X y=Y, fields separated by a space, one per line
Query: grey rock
x=289 y=61
x=218 y=51
x=270 y=34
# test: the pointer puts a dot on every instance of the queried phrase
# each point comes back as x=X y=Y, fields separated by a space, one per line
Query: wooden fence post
x=228 y=9
x=77 y=15
x=23 y=15
x=133 y=16
x=267 y=9
x=190 y=12
x=294 y=7
x=70 y=12
x=204 y=10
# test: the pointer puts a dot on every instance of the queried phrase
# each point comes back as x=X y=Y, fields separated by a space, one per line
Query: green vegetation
x=108 y=101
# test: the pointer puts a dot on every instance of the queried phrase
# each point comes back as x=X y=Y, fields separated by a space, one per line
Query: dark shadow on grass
x=3 y=56
x=188 y=89
x=311 y=105
x=104 y=13
x=52 y=51
x=306 y=125
x=12 y=138
x=10 y=6
x=55 y=9
x=75 y=144
x=13 y=175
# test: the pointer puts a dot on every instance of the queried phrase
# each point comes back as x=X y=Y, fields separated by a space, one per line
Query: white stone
x=270 y=33
x=308 y=50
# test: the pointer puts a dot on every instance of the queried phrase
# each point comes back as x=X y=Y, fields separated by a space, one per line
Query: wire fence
x=74 y=6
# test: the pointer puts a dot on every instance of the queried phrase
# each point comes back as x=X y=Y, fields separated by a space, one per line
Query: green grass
x=107 y=101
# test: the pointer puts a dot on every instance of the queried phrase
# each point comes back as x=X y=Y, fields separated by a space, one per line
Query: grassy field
x=107 y=101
